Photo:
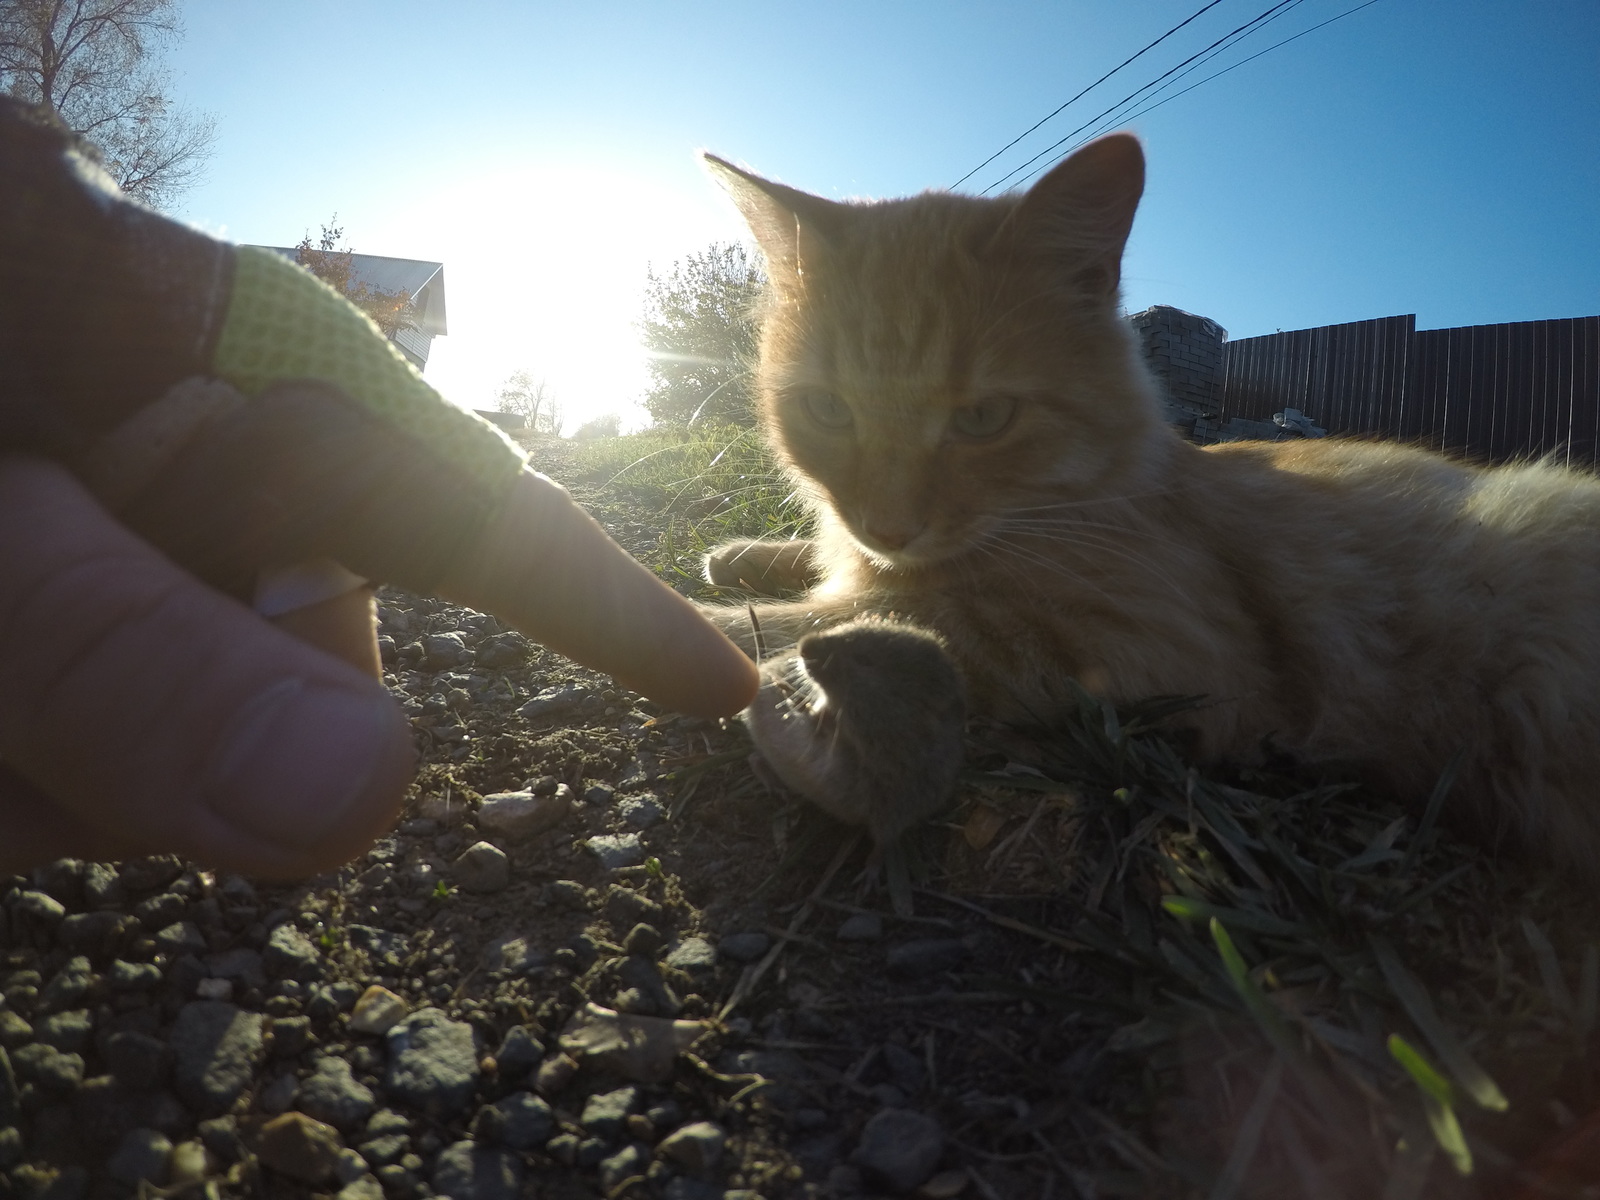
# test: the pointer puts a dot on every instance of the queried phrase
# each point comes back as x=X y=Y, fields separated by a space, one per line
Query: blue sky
x=1415 y=156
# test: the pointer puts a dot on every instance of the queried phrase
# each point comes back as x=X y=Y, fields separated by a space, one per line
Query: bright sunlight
x=544 y=270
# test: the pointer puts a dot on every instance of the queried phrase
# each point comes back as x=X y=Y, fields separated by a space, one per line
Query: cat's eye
x=985 y=418
x=827 y=410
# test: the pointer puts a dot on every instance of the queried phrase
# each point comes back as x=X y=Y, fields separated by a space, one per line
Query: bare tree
x=532 y=401
x=95 y=65
x=334 y=265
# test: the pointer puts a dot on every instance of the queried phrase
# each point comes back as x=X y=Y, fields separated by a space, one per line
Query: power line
x=1209 y=78
x=1081 y=95
x=1231 y=35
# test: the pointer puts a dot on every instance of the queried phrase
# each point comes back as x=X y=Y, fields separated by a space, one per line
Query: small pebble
x=616 y=850
x=483 y=868
x=860 y=927
x=744 y=947
x=377 y=1011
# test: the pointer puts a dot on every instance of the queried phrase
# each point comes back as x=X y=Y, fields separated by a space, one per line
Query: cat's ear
x=790 y=226
x=1083 y=210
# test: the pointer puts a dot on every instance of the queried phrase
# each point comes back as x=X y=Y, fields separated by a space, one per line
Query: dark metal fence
x=1492 y=392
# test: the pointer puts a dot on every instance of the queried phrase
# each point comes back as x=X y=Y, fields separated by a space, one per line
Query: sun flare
x=544 y=271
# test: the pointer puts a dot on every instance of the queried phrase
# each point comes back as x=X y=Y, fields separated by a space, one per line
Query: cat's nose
x=888 y=534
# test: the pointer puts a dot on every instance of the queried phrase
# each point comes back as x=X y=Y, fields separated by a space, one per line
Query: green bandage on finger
x=284 y=324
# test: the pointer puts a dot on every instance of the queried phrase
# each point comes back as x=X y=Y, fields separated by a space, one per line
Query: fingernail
x=298 y=762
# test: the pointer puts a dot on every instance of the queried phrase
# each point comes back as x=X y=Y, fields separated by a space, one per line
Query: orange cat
x=950 y=384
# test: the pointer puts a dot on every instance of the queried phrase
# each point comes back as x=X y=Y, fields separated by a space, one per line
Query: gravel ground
x=597 y=957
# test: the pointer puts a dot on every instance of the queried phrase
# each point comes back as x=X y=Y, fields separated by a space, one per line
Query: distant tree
x=609 y=425
x=700 y=326
x=95 y=65
x=334 y=265
x=531 y=401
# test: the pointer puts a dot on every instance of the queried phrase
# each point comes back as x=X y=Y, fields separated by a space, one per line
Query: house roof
x=423 y=280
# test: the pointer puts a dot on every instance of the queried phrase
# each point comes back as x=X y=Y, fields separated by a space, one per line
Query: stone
x=518 y=1054
x=616 y=850
x=148 y=874
x=554 y=702
x=93 y=932
x=291 y=1035
x=381 y=1151
x=241 y=965
x=696 y=1148
x=899 y=1149
x=860 y=927
x=433 y=1063
x=365 y=1188
x=629 y=1162
x=299 y=1147
x=67 y=1031
x=468 y=1171
x=216 y=1048
x=744 y=947
x=925 y=956
x=640 y=811
x=68 y=986
x=214 y=989
x=132 y=976
x=484 y=868
x=639 y=1048
x=444 y=651
x=39 y=907
x=10 y=1145
x=278 y=1096
x=524 y=814
x=332 y=1094
x=137 y=1060
x=48 y=1067
x=290 y=954
x=159 y=911
x=377 y=1011
x=605 y=1112
x=554 y=1074
x=103 y=886
x=14 y=1030
x=599 y=794
x=141 y=1157
x=181 y=937
x=526 y=1122
x=187 y=1163
x=444 y=808
x=693 y=955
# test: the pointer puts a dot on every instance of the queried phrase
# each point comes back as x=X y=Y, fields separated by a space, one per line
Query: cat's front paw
x=763 y=568
x=865 y=720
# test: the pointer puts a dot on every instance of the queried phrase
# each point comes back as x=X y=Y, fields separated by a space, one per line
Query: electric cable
x=1229 y=36
x=1081 y=94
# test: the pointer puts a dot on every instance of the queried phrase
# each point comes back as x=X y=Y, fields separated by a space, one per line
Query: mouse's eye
x=827 y=410
x=985 y=418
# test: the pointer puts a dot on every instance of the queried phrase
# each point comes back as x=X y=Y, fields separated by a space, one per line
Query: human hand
x=141 y=711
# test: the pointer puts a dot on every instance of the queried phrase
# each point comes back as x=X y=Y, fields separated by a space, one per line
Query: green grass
x=710 y=484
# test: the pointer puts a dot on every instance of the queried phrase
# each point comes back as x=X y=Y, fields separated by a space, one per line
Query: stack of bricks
x=1184 y=353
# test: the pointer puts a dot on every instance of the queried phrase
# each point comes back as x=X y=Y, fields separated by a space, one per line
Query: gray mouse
x=865 y=720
